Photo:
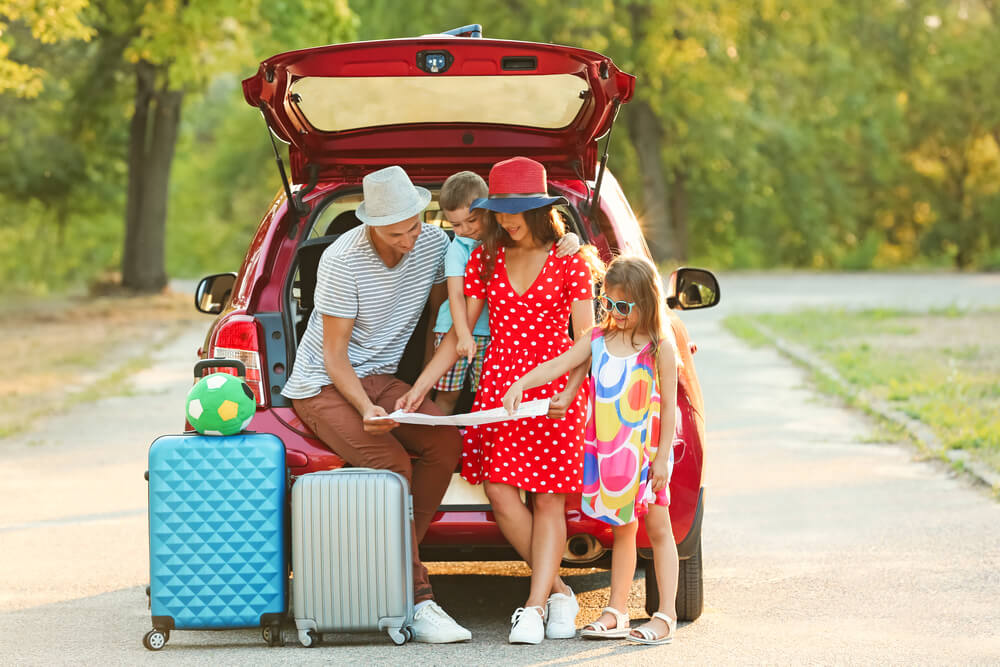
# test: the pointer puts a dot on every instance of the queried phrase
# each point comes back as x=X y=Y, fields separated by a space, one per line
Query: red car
x=436 y=105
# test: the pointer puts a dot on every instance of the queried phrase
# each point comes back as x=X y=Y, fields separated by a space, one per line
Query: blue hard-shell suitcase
x=217 y=534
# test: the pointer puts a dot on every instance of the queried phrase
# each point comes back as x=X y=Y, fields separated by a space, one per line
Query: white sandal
x=601 y=631
x=649 y=637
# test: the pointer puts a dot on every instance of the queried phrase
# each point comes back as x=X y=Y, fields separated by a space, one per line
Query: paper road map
x=536 y=408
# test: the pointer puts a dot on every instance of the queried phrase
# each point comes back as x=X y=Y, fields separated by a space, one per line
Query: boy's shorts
x=454 y=379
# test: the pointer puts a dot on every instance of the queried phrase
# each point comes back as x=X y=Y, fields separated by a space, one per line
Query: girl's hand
x=569 y=244
x=658 y=473
x=512 y=399
x=558 y=405
x=466 y=347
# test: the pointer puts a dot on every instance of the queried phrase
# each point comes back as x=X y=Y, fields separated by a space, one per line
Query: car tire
x=690 y=587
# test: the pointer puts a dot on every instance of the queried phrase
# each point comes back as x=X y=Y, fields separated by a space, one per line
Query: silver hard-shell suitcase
x=351 y=553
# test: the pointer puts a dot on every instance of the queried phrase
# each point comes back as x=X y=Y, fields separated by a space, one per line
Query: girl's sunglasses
x=623 y=308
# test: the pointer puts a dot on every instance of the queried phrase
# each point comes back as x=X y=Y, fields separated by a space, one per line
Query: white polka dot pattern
x=539 y=454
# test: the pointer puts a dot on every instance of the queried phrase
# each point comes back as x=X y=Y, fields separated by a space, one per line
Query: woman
x=532 y=295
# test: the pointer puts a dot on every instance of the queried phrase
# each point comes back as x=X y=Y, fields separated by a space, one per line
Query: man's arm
x=336 y=334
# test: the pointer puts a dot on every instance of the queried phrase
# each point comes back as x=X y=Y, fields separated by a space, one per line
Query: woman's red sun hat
x=517 y=185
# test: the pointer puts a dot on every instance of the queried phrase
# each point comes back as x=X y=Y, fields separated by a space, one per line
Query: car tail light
x=237 y=338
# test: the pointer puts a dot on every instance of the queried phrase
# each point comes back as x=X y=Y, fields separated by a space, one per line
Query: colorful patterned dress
x=536 y=454
x=622 y=435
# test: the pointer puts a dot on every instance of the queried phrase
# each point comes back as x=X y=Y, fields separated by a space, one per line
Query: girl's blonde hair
x=638 y=278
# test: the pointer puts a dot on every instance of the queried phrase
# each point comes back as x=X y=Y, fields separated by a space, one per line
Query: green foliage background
x=832 y=134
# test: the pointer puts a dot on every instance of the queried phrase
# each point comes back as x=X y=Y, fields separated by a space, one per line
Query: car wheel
x=690 y=587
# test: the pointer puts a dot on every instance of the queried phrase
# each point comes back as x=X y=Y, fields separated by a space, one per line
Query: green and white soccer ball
x=220 y=404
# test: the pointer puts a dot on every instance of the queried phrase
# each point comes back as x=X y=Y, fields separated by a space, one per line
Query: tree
x=668 y=129
x=175 y=50
x=49 y=22
x=954 y=118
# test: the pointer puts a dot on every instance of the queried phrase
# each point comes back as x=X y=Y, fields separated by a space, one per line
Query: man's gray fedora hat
x=390 y=197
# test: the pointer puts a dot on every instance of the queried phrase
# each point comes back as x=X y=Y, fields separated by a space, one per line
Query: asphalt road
x=820 y=545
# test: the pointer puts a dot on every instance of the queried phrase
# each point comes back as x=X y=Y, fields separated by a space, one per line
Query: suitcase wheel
x=155 y=639
x=272 y=635
x=399 y=636
x=310 y=638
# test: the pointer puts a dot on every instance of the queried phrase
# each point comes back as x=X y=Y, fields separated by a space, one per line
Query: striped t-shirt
x=385 y=303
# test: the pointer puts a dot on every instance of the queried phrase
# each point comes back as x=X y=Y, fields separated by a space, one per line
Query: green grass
x=941 y=367
x=743 y=327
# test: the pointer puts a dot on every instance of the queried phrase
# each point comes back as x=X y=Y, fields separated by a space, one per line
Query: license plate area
x=462 y=496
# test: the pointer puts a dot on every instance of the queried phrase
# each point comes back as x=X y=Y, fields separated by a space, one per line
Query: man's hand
x=411 y=400
x=512 y=399
x=466 y=347
x=377 y=427
x=658 y=471
x=558 y=405
x=569 y=244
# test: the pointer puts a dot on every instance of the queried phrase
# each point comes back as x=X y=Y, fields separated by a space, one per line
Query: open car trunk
x=437 y=104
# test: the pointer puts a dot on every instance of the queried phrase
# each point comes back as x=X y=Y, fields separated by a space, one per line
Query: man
x=371 y=287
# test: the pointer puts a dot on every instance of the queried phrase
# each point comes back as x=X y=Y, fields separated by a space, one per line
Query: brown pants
x=437 y=449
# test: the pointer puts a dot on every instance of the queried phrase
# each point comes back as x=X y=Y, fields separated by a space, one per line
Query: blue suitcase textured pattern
x=217 y=547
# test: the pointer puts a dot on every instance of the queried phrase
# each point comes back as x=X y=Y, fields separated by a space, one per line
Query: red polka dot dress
x=536 y=454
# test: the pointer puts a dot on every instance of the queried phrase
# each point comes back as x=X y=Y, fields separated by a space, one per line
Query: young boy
x=457 y=193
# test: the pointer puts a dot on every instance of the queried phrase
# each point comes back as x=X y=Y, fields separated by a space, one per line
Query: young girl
x=532 y=293
x=628 y=450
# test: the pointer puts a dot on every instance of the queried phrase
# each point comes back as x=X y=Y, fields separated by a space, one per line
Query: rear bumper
x=471 y=534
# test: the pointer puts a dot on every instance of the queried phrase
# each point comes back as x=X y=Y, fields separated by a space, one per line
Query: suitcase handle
x=219 y=362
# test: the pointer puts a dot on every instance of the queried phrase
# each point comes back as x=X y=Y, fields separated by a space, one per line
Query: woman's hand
x=569 y=244
x=377 y=427
x=512 y=399
x=466 y=347
x=558 y=405
x=658 y=472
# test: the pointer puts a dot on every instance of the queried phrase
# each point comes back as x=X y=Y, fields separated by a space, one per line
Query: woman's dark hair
x=545 y=224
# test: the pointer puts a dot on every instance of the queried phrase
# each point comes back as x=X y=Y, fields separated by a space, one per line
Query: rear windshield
x=544 y=101
x=336 y=216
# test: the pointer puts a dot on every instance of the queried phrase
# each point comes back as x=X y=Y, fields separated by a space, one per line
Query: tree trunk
x=144 y=87
x=647 y=137
x=152 y=138
x=965 y=233
x=646 y=133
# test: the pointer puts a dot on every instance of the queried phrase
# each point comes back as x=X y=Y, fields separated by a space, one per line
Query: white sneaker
x=528 y=626
x=433 y=625
x=562 y=611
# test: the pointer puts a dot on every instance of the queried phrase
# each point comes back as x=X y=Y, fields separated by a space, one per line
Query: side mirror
x=213 y=292
x=690 y=289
